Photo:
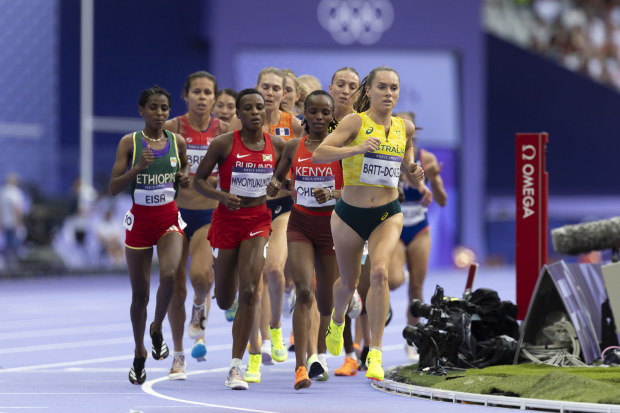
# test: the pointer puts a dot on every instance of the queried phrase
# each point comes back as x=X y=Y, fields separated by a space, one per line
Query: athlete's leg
x=396 y=275
x=201 y=269
x=251 y=257
x=176 y=310
x=381 y=245
x=303 y=276
x=418 y=252
x=274 y=266
x=139 y=266
x=169 y=252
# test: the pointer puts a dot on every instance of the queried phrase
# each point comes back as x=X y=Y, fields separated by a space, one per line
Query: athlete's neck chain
x=151 y=139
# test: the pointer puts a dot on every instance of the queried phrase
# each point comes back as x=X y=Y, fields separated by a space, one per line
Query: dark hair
x=155 y=90
x=273 y=70
x=196 y=75
x=344 y=69
x=362 y=103
x=318 y=92
x=246 y=92
x=230 y=92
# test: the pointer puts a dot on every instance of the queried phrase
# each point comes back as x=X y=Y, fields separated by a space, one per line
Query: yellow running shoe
x=279 y=351
x=375 y=365
x=252 y=371
x=333 y=338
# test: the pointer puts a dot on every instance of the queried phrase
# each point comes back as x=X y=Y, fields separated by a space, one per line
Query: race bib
x=154 y=195
x=305 y=185
x=250 y=182
x=380 y=169
x=128 y=221
x=413 y=214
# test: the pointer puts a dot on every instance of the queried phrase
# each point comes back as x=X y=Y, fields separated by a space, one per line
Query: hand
x=146 y=158
x=273 y=187
x=369 y=145
x=416 y=173
x=322 y=195
x=427 y=194
x=232 y=202
x=433 y=170
x=182 y=179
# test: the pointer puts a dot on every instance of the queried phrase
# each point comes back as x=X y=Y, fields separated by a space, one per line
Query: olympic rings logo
x=349 y=21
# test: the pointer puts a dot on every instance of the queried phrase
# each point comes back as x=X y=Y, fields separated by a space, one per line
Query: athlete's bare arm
x=218 y=150
x=432 y=169
x=121 y=178
x=333 y=146
x=298 y=130
x=183 y=172
x=284 y=165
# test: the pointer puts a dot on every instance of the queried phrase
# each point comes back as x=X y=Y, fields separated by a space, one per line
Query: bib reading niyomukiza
x=250 y=182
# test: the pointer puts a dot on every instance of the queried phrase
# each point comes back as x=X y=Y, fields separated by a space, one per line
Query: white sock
x=351 y=356
x=178 y=353
x=266 y=343
x=377 y=348
x=323 y=359
x=200 y=306
x=312 y=359
x=235 y=363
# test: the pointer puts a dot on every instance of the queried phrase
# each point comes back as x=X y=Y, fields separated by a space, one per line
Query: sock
x=200 y=305
x=312 y=359
x=235 y=363
x=377 y=348
x=323 y=359
x=351 y=356
x=178 y=353
x=266 y=343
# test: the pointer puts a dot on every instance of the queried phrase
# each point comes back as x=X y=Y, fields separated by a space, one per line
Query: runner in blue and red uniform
x=153 y=163
x=241 y=223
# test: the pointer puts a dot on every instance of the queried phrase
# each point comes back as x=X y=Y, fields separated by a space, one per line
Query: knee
x=180 y=292
x=304 y=294
x=140 y=299
x=379 y=274
x=224 y=303
x=247 y=294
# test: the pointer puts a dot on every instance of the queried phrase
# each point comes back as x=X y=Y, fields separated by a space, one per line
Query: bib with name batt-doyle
x=309 y=176
x=156 y=184
x=247 y=172
x=382 y=167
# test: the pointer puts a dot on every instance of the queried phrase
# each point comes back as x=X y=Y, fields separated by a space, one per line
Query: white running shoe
x=355 y=305
x=177 y=372
x=198 y=322
x=234 y=379
x=288 y=303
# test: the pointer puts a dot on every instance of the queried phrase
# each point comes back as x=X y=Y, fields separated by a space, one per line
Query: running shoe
x=288 y=303
x=374 y=365
x=252 y=371
x=315 y=369
x=302 y=381
x=355 y=305
x=198 y=322
x=325 y=375
x=349 y=368
x=232 y=311
x=177 y=372
x=137 y=373
x=279 y=351
x=265 y=351
x=333 y=338
x=234 y=379
x=199 y=351
x=160 y=349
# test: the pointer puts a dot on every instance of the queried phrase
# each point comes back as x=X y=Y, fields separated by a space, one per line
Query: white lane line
x=148 y=388
x=219 y=347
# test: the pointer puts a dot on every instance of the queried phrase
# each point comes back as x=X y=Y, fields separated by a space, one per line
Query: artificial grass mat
x=532 y=381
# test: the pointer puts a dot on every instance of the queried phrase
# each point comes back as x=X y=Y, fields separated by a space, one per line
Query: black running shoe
x=316 y=369
x=137 y=374
x=160 y=349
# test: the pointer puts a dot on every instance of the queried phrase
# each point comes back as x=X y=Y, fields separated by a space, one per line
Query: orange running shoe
x=349 y=368
x=302 y=381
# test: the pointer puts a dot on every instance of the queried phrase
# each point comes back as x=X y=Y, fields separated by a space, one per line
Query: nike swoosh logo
x=301 y=160
x=254 y=233
x=242 y=156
